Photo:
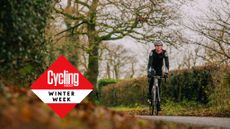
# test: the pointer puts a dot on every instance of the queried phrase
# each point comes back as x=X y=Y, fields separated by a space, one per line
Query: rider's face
x=158 y=48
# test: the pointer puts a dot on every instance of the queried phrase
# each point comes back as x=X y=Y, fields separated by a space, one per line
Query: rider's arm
x=166 y=60
x=150 y=61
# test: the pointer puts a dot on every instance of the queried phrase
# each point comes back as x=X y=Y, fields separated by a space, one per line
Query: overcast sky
x=188 y=10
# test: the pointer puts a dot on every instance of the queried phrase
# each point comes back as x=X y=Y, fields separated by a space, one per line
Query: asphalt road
x=199 y=121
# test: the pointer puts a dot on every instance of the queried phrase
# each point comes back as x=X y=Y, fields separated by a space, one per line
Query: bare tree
x=214 y=31
x=117 y=61
x=190 y=59
x=133 y=70
x=101 y=20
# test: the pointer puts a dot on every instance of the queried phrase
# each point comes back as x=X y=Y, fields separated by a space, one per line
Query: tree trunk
x=132 y=71
x=92 y=71
x=108 y=70
x=93 y=50
x=116 y=71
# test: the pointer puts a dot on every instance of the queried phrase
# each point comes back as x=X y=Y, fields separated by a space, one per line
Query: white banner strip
x=62 y=96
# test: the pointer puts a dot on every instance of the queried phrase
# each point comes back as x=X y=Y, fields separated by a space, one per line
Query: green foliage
x=105 y=82
x=22 y=39
x=100 y=84
x=194 y=85
x=183 y=108
x=221 y=93
x=125 y=92
x=70 y=49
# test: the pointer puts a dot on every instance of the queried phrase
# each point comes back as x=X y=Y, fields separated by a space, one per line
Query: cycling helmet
x=158 y=43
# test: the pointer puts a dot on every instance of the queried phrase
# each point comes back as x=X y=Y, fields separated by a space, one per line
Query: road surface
x=199 y=121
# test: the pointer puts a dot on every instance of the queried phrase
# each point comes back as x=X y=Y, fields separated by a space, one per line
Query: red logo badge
x=62 y=86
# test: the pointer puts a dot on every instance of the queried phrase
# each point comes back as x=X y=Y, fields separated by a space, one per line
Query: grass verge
x=179 y=109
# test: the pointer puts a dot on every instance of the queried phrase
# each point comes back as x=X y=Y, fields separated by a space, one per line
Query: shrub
x=22 y=39
x=221 y=92
x=125 y=92
x=195 y=85
x=104 y=82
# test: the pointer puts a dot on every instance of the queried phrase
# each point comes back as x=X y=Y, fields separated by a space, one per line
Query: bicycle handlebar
x=160 y=77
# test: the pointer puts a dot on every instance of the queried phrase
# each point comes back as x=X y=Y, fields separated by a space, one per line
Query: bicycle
x=155 y=91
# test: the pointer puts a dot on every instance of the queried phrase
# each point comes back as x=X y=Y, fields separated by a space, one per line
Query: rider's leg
x=150 y=82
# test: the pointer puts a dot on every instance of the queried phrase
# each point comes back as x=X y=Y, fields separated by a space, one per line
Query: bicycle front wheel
x=154 y=110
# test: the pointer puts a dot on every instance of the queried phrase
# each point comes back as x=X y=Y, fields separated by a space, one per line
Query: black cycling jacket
x=156 y=61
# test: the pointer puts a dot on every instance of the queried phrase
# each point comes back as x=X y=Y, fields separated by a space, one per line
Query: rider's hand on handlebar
x=151 y=73
x=165 y=75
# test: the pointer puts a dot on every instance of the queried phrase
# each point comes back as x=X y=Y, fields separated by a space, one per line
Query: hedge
x=196 y=84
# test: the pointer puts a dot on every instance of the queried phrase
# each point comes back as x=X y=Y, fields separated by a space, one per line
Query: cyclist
x=158 y=58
